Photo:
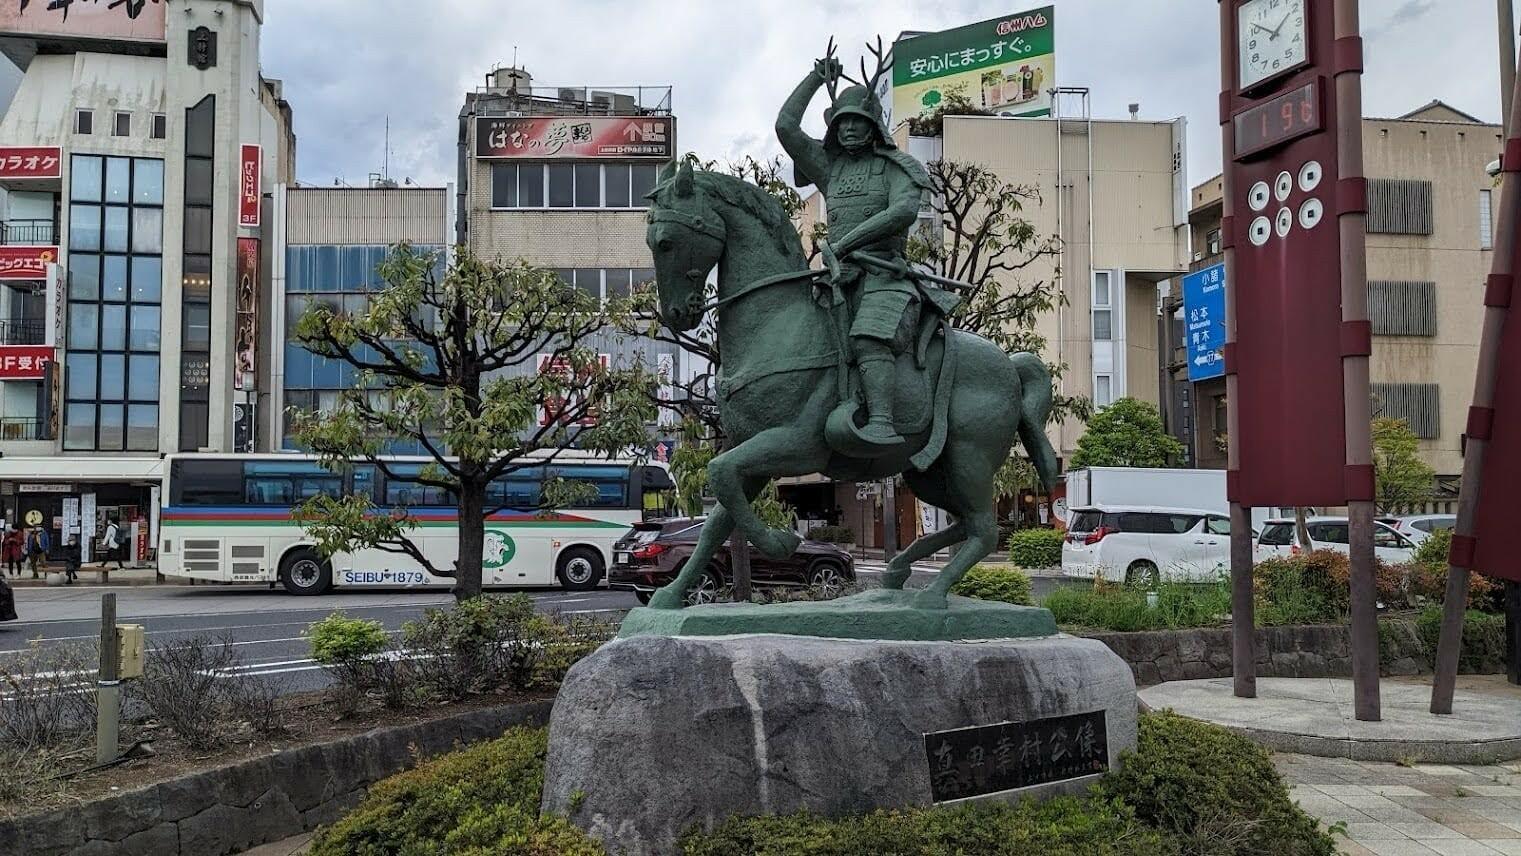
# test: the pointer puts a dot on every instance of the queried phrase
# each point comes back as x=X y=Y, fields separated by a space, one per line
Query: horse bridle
x=712 y=227
x=715 y=228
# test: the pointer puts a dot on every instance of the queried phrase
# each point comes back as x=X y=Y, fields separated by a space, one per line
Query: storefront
x=80 y=497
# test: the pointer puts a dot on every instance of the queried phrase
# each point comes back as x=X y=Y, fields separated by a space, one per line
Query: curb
x=83 y=581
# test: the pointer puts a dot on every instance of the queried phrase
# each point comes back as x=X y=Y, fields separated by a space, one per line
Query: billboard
x=111 y=20
x=25 y=362
x=1204 y=322
x=246 y=340
x=568 y=137
x=27 y=162
x=249 y=196
x=1006 y=65
x=29 y=263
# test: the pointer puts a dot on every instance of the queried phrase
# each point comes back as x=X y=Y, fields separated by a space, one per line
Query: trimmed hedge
x=1036 y=548
x=1109 y=606
x=1483 y=648
x=996 y=582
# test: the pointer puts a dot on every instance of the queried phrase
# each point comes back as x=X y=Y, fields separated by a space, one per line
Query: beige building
x=1429 y=239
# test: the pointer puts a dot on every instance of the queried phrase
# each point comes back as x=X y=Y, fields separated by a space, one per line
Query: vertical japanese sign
x=87 y=527
x=249 y=196
x=556 y=407
x=1204 y=322
x=246 y=342
x=1006 y=65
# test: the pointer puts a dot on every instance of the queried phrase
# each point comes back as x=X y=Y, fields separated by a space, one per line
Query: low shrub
x=480 y=800
x=196 y=687
x=1428 y=576
x=832 y=534
x=1483 y=649
x=1304 y=589
x=1006 y=583
x=1036 y=548
x=1107 y=606
x=1216 y=791
x=360 y=657
x=43 y=707
x=338 y=638
x=480 y=644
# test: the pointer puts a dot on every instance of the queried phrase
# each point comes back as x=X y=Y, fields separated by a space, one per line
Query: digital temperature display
x=1289 y=116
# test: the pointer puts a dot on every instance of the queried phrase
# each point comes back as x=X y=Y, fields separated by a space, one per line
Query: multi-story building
x=137 y=155
x=1430 y=231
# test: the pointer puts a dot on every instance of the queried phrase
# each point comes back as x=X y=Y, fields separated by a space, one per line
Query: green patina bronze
x=852 y=371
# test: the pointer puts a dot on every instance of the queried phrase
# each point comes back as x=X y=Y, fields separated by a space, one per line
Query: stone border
x=1477 y=752
x=231 y=809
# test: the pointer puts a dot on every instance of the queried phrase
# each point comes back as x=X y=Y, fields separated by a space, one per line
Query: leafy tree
x=448 y=363
x=1400 y=477
x=1127 y=433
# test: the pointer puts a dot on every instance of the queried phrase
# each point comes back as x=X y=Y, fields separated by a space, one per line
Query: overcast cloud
x=348 y=64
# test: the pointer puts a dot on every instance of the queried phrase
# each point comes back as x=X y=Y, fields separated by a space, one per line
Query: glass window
x=643 y=277
x=1330 y=533
x=1486 y=220
x=79 y=379
x=615 y=177
x=143 y=380
x=113 y=377
x=145 y=329
x=113 y=278
x=1277 y=535
x=326 y=485
x=147 y=230
x=83 y=321
x=200 y=128
x=1102 y=323
x=84 y=227
x=198 y=183
x=364 y=482
x=197 y=277
x=198 y=230
x=1103 y=394
x=588 y=185
x=642 y=179
x=113 y=327
x=79 y=426
x=562 y=180
x=123 y=127
x=84 y=276
x=197 y=327
x=148 y=182
x=1101 y=288
x=617 y=282
x=84 y=122
x=1218 y=526
x=1383 y=536
x=589 y=280
x=160 y=127
x=113 y=434
x=268 y=490
x=504 y=185
x=1178 y=524
x=147 y=279
x=85 y=178
x=206 y=483
x=142 y=427
x=118 y=179
x=531 y=185
x=114 y=238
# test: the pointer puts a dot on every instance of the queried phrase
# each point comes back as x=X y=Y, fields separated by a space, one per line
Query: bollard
x=108 y=685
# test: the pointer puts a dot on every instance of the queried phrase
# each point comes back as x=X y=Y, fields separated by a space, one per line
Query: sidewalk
x=89 y=575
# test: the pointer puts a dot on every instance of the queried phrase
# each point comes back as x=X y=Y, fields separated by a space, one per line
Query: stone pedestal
x=652 y=735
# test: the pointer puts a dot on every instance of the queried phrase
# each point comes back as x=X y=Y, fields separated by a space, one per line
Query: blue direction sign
x=1204 y=322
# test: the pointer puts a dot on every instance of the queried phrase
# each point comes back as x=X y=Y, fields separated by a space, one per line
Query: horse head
x=686 y=236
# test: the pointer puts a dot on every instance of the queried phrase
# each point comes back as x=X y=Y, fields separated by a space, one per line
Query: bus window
x=364 y=482
x=401 y=493
x=203 y=483
x=268 y=490
x=328 y=485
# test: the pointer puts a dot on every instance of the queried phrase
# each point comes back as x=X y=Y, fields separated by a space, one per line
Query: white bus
x=227 y=518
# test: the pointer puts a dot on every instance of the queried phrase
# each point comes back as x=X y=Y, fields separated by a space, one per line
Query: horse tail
x=1035 y=408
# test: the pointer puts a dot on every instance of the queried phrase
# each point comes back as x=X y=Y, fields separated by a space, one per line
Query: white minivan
x=1144 y=544
x=1331 y=533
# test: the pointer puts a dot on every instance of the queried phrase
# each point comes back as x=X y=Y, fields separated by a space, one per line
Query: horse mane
x=759 y=204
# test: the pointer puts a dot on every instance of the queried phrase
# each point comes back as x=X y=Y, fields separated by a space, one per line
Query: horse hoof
x=928 y=599
x=779 y=544
x=666 y=598
x=894 y=578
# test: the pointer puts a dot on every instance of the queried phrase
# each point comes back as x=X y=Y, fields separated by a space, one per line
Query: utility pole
x=889 y=519
x=108 y=685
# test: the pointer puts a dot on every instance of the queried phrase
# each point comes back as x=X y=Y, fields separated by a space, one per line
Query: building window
x=111 y=364
x=84 y=121
x=607 y=283
x=1103 y=310
x=1212 y=242
x=123 y=126
x=195 y=303
x=1486 y=221
x=1399 y=207
x=572 y=185
x=160 y=129
x=1103 y=390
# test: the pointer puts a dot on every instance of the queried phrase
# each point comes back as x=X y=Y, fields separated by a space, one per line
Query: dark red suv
x=652 y=553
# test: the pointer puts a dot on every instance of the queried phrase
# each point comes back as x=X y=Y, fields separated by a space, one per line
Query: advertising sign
x=1006 y=65
x=568 y=137
x=114 y=20
x=249 y=196
x=26 y=262
x=555 y=406
x=1204 y=322
x=246 y=340
x=24 y=162
x=24 y=362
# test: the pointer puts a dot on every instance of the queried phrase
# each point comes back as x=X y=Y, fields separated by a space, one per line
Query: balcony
x=23 y=332
x=28 y=232
x=14 y=428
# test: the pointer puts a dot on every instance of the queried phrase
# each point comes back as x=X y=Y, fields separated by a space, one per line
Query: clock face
x=1272 y=38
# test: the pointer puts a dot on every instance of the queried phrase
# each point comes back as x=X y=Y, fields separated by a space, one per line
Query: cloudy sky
x=348 y=64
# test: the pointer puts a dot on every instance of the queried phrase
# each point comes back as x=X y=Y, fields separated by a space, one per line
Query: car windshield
x=1277 y=534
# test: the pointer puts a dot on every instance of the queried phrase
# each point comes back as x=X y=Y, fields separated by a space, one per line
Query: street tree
x=452 y=363
x=1127 y=433
x=1400 y=477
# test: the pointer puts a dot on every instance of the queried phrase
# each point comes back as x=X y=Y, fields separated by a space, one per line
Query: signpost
x=1204 y=322
x=1296 y=361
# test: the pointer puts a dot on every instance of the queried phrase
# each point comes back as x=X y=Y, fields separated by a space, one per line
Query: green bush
x=1304 y=589
x=1216 y=791
x=340 y=639
x=481 y=644
x=481 y=801
x=1428 y=576
x=832 y=534
x=1483 y=649
x=1433 y=551
x=996 y=582
x=1036 y=548
x=1124 y=609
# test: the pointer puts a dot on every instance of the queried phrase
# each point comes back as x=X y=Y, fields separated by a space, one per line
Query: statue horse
x=780 y=381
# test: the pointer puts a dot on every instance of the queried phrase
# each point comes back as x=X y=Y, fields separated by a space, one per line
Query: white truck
x=1154 y=488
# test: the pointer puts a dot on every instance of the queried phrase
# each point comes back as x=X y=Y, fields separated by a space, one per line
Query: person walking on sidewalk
x=13 y=550
x=37 y=544
x=112 y=542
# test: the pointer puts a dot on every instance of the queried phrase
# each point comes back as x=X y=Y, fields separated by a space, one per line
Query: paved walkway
x=1418 y=810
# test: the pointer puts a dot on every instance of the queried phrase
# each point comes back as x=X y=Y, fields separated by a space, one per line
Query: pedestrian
x=70 y=558
x=111 y=542
x=37 y=549
x=13 y=550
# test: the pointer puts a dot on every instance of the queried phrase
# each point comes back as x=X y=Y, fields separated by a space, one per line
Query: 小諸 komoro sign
x=1204 y=322
x=1005 y=65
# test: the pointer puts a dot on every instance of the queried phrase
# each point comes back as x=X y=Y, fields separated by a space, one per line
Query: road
x=266 y=626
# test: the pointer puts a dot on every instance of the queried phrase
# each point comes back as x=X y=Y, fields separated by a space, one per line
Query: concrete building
x=138 y=155
x=1430 y=227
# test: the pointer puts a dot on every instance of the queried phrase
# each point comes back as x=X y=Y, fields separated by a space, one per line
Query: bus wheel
x=579 y=569
x=304 y=572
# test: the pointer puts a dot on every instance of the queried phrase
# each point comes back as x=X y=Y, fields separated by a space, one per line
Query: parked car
x=1145 y=544
x=1419 y=527
x=652 y=553
x=1331 y=533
